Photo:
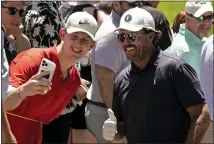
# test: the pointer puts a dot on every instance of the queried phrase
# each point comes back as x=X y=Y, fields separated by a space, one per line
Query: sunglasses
x=13 y=10
x=203 y=18
x=133 y=37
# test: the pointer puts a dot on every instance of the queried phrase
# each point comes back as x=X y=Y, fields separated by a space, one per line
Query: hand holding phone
x=35 y=86
x=40 y=83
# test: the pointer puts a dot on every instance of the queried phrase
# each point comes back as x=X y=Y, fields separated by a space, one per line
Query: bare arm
x=7 y=136
x=101 y=17
x=32 y=87
x=105 y=78
x=20 y=40
x=22 y=43
x=200 y=120
x=13 y=99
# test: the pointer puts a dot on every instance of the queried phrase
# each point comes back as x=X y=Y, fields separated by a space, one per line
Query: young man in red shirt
x=32 y=102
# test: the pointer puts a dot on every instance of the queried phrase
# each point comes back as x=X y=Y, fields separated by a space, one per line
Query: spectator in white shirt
x=206 y=72
x=206 y=79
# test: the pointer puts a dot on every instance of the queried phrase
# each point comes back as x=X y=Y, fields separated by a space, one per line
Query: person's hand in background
x=81 y=93
x=16 y=33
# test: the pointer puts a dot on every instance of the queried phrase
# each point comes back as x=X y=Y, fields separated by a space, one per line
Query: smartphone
x=47 y=65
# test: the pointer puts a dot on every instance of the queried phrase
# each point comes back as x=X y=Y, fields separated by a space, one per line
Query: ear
x=151 y=36
x=62 y=32
x=93 y=45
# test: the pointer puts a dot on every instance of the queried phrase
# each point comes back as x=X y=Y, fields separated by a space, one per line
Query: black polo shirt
x=152 y=102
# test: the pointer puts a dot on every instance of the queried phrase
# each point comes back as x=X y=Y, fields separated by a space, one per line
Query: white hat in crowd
x=198 y=8
x=82 y=22
x=136 y=19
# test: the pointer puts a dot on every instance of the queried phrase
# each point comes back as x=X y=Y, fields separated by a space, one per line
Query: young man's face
x=11 y=18
x=76 y=44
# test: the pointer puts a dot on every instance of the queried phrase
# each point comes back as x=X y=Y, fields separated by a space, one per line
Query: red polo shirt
x=41 y=108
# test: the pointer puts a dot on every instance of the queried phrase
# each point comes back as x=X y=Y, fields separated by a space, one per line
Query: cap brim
x=203 y=10
x=134 y=28
x=74 y=29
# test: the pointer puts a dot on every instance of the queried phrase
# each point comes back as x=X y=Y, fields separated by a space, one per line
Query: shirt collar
x=55 y=57
x=152 y=61
x=3 y=28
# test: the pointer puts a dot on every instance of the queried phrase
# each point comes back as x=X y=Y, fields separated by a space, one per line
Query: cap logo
x=83 y=22
x=200 y=2
x=128 y=18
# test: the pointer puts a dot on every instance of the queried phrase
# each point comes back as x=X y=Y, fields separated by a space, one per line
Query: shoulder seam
x=171 y=57
x=32 y=57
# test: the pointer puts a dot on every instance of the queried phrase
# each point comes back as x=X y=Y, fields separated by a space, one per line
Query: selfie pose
x=34 y=99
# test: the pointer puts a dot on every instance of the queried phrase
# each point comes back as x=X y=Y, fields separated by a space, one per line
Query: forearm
x=13 y=99
x=198 y=128
x=105 y=79
x=7 y=136
x=22 y=43
x=106 y=89
x=5 y=125
x=202 y=125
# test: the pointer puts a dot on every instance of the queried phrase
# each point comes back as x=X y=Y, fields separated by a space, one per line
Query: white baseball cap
x=82 y=22
x=136 y=19
x=198 y=8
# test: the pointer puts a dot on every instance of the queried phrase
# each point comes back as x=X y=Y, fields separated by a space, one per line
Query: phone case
x=47 y=65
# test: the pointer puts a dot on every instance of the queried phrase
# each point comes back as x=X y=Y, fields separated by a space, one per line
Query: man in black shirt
x=158 y=98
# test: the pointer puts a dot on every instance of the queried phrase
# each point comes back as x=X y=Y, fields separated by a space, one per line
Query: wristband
x=20 y=94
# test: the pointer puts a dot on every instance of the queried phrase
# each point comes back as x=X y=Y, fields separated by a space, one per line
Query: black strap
x=3 y=29
x=95 y=14
x=98 y=104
